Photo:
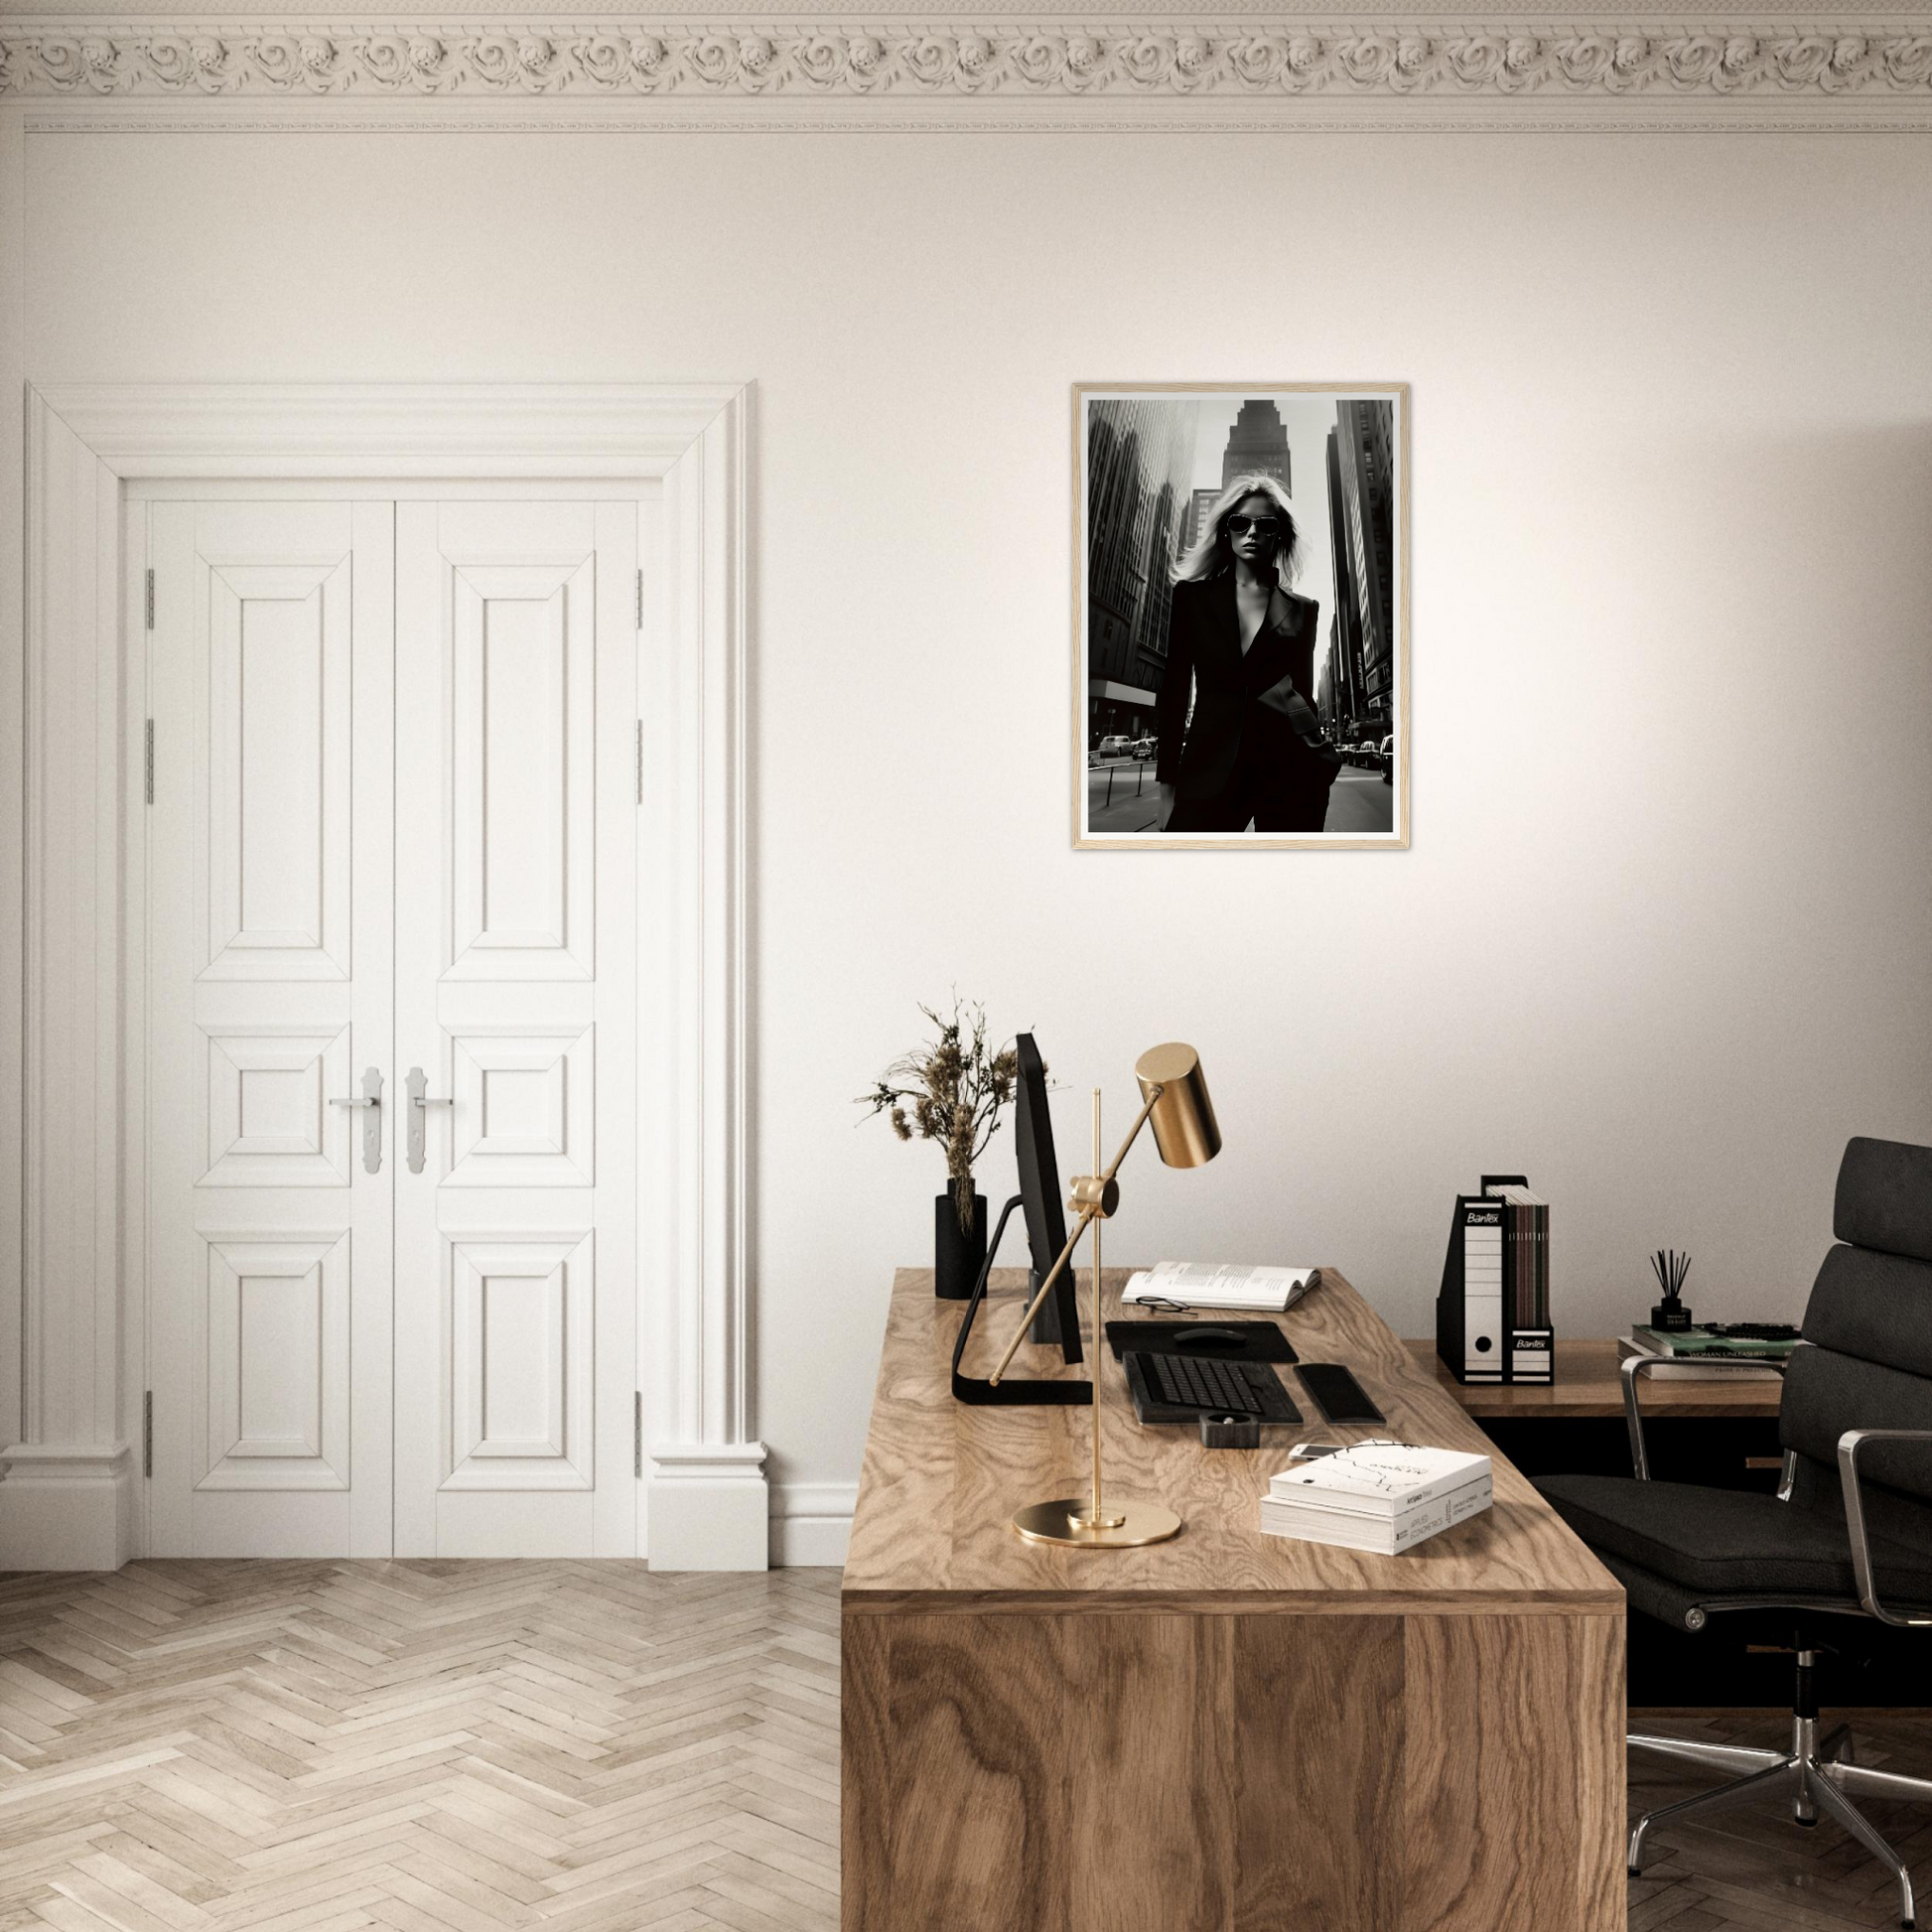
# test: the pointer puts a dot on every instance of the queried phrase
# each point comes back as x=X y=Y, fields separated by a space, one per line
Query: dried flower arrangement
x=950 y=1091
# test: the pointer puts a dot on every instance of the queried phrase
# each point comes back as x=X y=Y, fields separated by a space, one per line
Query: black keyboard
x=1208 y=1387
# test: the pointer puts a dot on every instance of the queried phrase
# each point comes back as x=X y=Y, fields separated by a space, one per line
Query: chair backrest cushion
x=1868 y=1324
x=1875 y=1308
x=1884 y=1197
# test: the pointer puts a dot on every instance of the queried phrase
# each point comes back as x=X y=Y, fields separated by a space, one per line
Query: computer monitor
x=1040 y=1194
x=1058 y=1320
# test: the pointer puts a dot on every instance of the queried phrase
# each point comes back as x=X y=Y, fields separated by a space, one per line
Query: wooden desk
x=1227 y=1732
x=1588 y=1385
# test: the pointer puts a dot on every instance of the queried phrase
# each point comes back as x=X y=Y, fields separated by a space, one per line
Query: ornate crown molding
x=1179 y=61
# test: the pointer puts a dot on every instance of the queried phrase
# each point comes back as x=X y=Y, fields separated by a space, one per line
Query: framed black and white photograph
x=1241 y=615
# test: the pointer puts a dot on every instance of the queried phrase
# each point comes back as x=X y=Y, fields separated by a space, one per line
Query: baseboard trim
x=710 y=1507
x=811 y=1523
x=67 y=1506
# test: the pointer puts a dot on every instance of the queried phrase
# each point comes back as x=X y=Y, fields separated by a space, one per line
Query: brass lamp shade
x=1182 y=1117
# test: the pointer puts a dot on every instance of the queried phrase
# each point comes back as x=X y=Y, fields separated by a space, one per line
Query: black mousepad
x=1214 y=1342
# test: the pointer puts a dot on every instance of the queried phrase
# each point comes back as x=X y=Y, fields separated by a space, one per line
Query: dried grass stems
x=950 y=1091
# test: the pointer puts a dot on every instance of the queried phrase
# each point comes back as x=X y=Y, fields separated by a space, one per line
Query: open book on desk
x=1212 y=1284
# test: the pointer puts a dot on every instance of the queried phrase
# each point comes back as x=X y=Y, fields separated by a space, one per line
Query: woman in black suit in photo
x=1241 y=646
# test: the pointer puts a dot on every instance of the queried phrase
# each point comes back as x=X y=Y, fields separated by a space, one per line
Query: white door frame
x=71 y=1406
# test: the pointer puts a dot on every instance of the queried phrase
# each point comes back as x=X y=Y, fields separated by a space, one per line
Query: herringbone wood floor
x=570 y=1747
x=322 y=1747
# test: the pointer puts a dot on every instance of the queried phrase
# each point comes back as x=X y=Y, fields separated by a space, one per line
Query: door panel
x=525 y=1107
x=278 y=1367
x=521 y=1332
x=270 y=993
x=515 y=1243
x=278 y=785
x=521 y=770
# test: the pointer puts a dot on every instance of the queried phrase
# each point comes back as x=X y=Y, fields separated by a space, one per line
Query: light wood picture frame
x=1287 y=715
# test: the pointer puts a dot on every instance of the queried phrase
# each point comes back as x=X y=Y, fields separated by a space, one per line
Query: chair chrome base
x=1818 y=1774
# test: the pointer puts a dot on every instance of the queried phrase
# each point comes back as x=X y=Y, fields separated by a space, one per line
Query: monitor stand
x=1046 y=1324
x=1012 y=1391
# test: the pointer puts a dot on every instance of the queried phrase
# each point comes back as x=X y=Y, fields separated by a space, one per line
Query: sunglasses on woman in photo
x=1262 y=526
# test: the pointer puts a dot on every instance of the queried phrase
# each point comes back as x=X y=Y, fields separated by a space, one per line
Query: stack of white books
x=1381 y=1496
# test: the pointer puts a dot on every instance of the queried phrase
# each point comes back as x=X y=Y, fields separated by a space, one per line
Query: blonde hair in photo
x=1211 y=555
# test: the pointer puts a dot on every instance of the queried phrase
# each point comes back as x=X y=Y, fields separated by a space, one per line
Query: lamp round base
x=1061 y=1521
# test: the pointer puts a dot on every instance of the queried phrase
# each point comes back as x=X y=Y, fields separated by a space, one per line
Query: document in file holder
x=1492 y=1316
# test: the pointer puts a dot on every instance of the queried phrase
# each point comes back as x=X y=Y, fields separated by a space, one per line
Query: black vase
x=957 y=1258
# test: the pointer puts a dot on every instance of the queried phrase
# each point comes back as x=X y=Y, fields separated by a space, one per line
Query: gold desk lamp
x=1175 y=1098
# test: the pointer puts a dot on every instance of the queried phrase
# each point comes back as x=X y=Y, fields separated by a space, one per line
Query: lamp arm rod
x=1033 y=1307
x=1133 y=1134
x=1087 y=1214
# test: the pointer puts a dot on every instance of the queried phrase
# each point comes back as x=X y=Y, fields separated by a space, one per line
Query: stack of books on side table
x=1381 y=1496
x=1690 y=1353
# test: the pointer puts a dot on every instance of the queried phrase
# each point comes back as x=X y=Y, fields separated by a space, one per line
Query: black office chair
x=1848 y=1535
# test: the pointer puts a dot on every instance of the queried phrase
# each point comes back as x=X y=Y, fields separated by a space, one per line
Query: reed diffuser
x=1670 y=1268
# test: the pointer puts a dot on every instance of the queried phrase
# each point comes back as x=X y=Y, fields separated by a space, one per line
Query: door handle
x=416 y=1081
x=371 y=1098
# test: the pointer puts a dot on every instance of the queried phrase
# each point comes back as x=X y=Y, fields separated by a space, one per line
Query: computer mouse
x=1209 y=1337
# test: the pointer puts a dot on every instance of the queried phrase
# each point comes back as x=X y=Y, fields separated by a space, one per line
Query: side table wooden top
x=1587 y=1384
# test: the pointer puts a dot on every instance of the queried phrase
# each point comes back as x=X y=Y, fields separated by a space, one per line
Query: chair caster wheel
x=1807 y=1823
x=1633 y=1872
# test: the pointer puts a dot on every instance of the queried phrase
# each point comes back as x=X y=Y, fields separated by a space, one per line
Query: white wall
x=1661 y=941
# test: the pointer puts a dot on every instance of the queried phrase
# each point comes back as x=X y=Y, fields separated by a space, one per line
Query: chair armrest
x=1636 y=1365
x=1848 y=1446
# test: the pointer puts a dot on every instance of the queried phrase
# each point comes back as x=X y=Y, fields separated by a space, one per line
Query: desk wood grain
x=1228 y=1732
x=941 y=1480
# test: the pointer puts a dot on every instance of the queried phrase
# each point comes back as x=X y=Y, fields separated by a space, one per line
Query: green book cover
x=1700 y=1341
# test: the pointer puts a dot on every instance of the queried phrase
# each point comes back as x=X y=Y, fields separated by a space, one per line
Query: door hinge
x=637 y=1432
x=150 y=600
x=148 y=761
x=640 y=761
x=147 y=1434
x=640 y=597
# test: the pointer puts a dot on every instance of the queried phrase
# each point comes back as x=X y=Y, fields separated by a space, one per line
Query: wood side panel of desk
x=1229 y=1732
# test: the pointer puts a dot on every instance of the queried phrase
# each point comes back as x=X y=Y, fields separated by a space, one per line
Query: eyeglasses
x=1262 y=526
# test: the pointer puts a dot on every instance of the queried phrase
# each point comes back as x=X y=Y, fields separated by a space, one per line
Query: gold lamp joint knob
x=1095 y=1194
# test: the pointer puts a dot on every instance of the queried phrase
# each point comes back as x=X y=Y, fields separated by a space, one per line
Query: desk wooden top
x=943 y=1479
x=1587 y=1384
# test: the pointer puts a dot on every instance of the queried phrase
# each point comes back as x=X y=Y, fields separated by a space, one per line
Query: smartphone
x=1338 y=1394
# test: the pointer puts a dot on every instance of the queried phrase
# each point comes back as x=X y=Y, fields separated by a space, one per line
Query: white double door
x=390 y=859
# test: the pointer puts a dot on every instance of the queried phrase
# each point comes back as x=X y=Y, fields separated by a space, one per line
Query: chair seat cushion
x=1727 y=1542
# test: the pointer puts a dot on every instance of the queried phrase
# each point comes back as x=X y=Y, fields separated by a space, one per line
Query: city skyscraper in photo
x=1361 y=531
x=1257 y=445
x=1140 y=457
x=1202 y=502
